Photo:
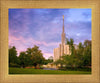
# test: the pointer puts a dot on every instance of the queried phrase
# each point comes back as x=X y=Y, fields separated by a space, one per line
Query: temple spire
x=63 y=23
x=63 y=33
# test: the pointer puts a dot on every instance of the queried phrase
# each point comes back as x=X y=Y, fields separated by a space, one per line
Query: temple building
x=63 y=48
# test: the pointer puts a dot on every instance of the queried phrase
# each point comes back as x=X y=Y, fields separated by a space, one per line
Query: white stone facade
x=60 y=51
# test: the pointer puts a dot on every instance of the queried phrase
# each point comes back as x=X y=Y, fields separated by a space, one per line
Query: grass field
x=40 y=71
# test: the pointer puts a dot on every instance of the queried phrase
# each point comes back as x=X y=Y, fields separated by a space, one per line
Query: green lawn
x=40 y=71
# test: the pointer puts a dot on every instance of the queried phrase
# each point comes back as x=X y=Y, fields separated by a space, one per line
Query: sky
x=43 y=27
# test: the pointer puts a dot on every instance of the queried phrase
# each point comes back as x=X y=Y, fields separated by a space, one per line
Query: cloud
x=79 y=15
x=43 y=27
x=79 y=31
x=22 y=44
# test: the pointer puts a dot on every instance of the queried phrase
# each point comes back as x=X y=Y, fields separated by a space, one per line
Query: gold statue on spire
x=63 y=16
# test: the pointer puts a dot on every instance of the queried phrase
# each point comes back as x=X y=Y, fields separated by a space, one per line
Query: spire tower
x=63 y=33
x=63 y=48
x=63 y=23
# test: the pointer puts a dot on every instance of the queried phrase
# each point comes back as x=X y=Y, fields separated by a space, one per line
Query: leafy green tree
x=71 y=45
x=66 y=59
x=12 y=55
x=59 y=61
x=24 y=59
x=36 y=56
x=84 y=53
x=70 y=61
x=87 y=53
x=50 y=59
x=87 y=60
x=46 y=61
x=79 y=54
x=67 y=41
x=80 y=57
x=87 y=43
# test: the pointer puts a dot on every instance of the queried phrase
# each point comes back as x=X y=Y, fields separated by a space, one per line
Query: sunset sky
x=43 y=27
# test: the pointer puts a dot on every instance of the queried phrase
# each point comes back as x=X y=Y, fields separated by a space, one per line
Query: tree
x=87 y=43
x=71 y=45
x=24 y=59
x=80 y=57
x=12 y=55
x=51 y=58
x=84 y=53
x=67 y=41
x=87 y=53
x=46 y=61
x=66 y=59
x=87 y=47
x=70 y=61
x=79 y=54
x=36 y=55
x=59 y=61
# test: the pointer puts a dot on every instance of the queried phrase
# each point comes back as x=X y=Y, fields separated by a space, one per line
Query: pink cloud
x=21 y=44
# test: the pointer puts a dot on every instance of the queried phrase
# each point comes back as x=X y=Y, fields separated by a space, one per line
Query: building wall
x=62 y=49
x=59 y=50
x=65 y=49
x=56 y=54
x=68 y=50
